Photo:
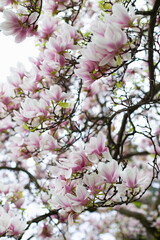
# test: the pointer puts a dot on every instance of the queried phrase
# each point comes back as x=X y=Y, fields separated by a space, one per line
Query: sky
x=11 y=53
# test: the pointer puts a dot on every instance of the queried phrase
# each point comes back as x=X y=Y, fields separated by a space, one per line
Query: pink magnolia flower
x=33 y=141
x=6 y=124
x=61 y=171
x=92 y=52
x=13 y=26
x=56 y=94
x=88 y=71
x=31 y=81
x=20 y=70
x=47 y=142
x=5 y=221
x=50 y=69
x=132 y=178
x=80 y=200
x=70 y=30
x=17 y=226
x=4 y=188
x=121 y=15
x=15 y=80
x=96 y=147
x=32 y=108
x=10 y=223
x=29 y=109
x=19 y=202
x=110 y=171
x=63 y=202
x=47 y=27
x=78 y=161
x=4 y=3
x=94 y=181
x=60 y=43
x=19 y=118
x=109 y=45
x=53 y=5
x=47 y=231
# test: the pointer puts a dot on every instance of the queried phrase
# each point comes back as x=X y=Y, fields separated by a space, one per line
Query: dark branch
x=18 y=169
x=139 y=216
x=132 y=154
x=150 y=46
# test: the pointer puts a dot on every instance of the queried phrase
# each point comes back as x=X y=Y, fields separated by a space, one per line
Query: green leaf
x=137 y=204
x=118 y=84
x=87 y=34
x=119 y=60
x=25 y=126
x=130 y=23
x=107 y=6
x=63 y=104
x=52 y=102
x=101 y=5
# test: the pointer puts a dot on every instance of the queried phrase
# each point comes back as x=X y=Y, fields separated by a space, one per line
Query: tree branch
x=139 y=216
x=42 y=217
x=150 y=46
x=132 y=154
x=18 y=169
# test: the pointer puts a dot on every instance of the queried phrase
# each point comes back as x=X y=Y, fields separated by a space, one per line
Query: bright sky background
x=11 y=53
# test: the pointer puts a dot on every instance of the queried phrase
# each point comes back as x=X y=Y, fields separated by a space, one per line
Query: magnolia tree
x=80 y=131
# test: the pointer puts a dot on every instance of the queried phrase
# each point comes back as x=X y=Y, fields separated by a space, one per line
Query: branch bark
x=152 y=24
x=143 y=220
x=18 y=169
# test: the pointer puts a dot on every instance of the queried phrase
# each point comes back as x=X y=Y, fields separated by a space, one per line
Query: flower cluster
x=10 y=223
x=102 y=179
x=110 y=46
x=78 y=128
x=19 y=25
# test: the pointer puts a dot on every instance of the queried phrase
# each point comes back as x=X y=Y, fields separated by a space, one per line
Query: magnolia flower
x=47 y=231
x=61 y=170
x=13 y=26
x=60 y=43
x=96 y=147
x=33 y=108
x=4 y=3
x=94 y=181
x=80 y=200
x=132 y=178
x=15 y=80
x=78 y=161
x=5 y=221
x=113 y=40
x=63 y=202
x=50 y=69
x=121 y=16
x=55 y=93
x=88 y=71
x=109 y=171
x=33 y=17
x=33 y=141
x=47 y=26
x=17 y=226
x=92 y=52
x=6 y=124
x=47 y=142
